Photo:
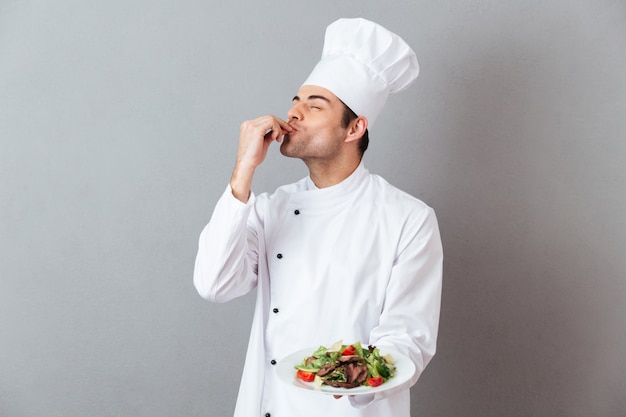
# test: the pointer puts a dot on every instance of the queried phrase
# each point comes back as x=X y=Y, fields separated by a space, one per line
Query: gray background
x=118 y=130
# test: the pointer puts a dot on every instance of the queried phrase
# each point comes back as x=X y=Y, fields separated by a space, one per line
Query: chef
x=338 y=255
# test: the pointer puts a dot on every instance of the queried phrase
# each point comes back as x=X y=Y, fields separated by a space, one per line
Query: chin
x=284 y=148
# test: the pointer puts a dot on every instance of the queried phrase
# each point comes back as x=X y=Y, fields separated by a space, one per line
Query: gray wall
x=118 y=129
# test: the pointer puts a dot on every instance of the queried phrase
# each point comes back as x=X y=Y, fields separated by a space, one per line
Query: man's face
x=316 y=115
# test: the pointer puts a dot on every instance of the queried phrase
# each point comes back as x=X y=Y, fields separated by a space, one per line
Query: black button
x=273 y=361
x=279 y=256
x=296 y=212
x=268 y=415
x=275 y=310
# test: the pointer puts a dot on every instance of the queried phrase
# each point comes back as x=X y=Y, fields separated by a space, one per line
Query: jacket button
x=273 y=361
x=296 y=212
x=268 y=415
x=279 y=256
x=275 y=310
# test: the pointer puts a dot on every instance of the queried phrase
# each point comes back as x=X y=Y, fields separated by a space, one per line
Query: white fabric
x=363 y=63
x=361 y=261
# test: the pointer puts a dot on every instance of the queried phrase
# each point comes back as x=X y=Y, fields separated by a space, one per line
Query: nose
x=295 y=113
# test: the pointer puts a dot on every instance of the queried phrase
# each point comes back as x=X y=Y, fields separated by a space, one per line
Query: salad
x=346 y=366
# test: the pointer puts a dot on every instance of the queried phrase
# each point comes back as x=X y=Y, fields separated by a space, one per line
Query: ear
x=357 y=129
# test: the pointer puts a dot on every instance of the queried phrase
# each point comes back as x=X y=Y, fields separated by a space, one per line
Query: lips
x=295 y=129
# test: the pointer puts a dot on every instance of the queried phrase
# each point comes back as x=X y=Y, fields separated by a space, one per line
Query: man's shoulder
x=387 y=193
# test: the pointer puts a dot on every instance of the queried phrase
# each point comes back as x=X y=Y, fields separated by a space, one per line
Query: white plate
x=405 y=369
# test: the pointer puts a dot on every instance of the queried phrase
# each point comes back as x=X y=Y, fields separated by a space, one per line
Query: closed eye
x=313 y=101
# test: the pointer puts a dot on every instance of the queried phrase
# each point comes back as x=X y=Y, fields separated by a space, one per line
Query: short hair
x=348 y=116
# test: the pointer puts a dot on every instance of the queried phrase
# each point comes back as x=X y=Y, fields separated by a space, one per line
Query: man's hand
x=255 y=137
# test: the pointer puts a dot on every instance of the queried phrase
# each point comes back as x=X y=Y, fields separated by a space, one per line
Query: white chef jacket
x=358 y=261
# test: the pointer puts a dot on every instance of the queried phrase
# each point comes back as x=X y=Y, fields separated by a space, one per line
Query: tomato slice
x=374 y=381
x=349 y=351
x=305 y=376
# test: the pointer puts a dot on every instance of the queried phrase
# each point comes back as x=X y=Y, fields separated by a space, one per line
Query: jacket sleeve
x=226 y=263
x=410 y=318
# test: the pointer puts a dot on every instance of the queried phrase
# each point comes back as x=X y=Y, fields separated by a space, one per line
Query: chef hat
x=362 y=64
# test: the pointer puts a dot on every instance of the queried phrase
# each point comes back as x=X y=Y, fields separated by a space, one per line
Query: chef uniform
x=357 y=261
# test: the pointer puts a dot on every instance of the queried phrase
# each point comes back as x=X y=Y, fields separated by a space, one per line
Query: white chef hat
x=362 y=64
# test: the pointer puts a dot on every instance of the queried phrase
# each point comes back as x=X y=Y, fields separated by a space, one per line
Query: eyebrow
x=312 y=97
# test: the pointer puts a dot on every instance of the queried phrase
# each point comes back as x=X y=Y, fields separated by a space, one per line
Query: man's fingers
x=284 y=126
x=268 y=127
x=280 y=128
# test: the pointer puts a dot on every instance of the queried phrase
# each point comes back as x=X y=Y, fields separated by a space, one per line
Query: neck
x=325 y=174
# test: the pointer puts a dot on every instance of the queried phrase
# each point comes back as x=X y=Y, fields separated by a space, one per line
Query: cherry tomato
x=305 y=376
x=349 y=351
x=374 y=381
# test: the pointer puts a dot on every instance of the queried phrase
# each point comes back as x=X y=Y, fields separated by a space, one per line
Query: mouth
x=295 y=130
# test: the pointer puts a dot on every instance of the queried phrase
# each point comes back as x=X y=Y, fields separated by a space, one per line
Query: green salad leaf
x=348 y=366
